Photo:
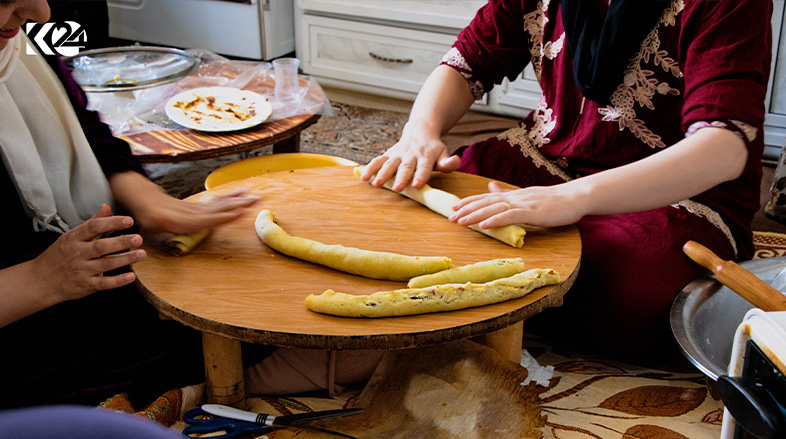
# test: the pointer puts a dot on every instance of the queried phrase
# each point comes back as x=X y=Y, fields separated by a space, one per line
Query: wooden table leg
x=224 y=371
x=506 y=341
x=291 y=144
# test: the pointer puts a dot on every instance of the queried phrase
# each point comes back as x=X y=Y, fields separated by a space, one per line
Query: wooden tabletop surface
x=169 y=146
x=234 y=285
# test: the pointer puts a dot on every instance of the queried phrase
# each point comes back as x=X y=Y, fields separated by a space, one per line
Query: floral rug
x=567 y=395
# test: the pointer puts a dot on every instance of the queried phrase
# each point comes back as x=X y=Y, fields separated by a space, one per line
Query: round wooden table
x=171 y=146
x=234 y=288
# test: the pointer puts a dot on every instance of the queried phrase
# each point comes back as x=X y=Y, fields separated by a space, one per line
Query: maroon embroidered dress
x=705 y=63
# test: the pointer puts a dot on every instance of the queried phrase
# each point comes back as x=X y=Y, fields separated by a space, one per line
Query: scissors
x=234 y=422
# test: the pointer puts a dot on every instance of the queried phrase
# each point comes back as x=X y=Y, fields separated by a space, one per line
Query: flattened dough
x=477 y=273
x=371 y=264
x=441 y=202
x=437 y=298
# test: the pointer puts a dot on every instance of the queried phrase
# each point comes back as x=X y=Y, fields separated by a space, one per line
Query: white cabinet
x=388 y=48
x=384 y=47
x=370 y=55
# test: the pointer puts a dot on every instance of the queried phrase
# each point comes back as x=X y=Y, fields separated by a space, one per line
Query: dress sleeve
x=726 y=48
x=495 y=44
x=113 y=154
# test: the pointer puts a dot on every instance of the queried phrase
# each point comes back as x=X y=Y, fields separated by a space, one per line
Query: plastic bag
x=138 y=111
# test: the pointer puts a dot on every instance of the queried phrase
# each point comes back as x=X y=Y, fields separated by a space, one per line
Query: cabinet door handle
x=394 y=60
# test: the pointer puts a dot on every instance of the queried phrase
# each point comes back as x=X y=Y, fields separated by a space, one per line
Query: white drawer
x=377 y=55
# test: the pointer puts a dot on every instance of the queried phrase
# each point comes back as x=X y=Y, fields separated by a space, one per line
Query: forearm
x=444 y=98
x=155 y=211
x=132 y=190
x=139 y=196
x=700 y=162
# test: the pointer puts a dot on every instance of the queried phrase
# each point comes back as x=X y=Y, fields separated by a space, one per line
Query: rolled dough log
x=178 y=245
x=477 y=273
x=441 y=202
x=436 y=298
x=371 y=264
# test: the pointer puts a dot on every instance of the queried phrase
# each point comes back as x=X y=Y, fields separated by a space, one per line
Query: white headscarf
x=42 y=143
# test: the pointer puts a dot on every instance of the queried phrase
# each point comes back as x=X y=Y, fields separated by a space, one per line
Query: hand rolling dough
x=442 y=202
x=436 y=298
x=179 y=245
x=477 y=273
x=371 y=264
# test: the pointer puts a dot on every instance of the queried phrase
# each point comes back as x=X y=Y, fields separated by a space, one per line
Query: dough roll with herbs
x=371 y=264
x=476 y=273
x=437 y=298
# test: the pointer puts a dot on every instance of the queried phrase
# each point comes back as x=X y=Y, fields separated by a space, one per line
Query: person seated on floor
x=649 y=133
x=72 y=326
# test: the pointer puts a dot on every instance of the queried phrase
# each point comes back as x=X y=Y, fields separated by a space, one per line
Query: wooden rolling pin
x=737 y=279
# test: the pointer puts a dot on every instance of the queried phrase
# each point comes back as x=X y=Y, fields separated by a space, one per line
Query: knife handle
x=737 y=279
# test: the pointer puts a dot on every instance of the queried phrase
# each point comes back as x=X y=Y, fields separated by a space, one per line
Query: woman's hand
x=411 y=160
x=74 y=265
x=172 y=215
x=444 y=98
x=544 y=206
x=156 y=211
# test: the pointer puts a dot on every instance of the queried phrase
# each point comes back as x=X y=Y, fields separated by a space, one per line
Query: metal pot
x=706 y=314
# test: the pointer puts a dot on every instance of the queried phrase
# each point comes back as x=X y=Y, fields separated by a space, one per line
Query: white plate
x=218 y=109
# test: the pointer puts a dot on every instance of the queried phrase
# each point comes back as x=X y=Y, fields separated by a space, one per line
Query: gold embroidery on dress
x=551 y=49
x=749 y=130
x=710 y=215
x=639 y=88
x=455 y=59
x=746 y=131
x=529 y=140
x=534 y=23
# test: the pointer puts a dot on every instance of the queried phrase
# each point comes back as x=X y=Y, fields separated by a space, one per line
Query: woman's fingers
x=404 y=173
x=373 y=167
x=108 y=246
x=386 y=171
x=101 y=225
x=114 y=261
x=479 y=209
x=103 y=283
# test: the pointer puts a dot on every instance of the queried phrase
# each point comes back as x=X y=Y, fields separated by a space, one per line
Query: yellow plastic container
x=272 y=163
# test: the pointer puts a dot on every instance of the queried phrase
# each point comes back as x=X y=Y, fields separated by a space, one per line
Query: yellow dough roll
x=436 y=298
x=371 y=264
x=179 y=245
x=440 y=201
x=477 y=273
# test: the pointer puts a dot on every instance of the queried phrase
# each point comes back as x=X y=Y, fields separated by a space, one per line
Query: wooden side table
x=171 y=146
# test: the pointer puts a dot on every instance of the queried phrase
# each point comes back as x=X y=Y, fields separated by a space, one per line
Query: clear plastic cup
x=287 y=88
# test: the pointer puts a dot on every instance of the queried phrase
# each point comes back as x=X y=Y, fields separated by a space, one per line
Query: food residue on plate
x=210 y=107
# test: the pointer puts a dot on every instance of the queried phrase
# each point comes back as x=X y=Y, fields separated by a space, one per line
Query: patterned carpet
x=769 y=244
x=431 y=395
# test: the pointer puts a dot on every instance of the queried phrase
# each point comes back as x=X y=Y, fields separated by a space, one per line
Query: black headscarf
x=601 y=47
